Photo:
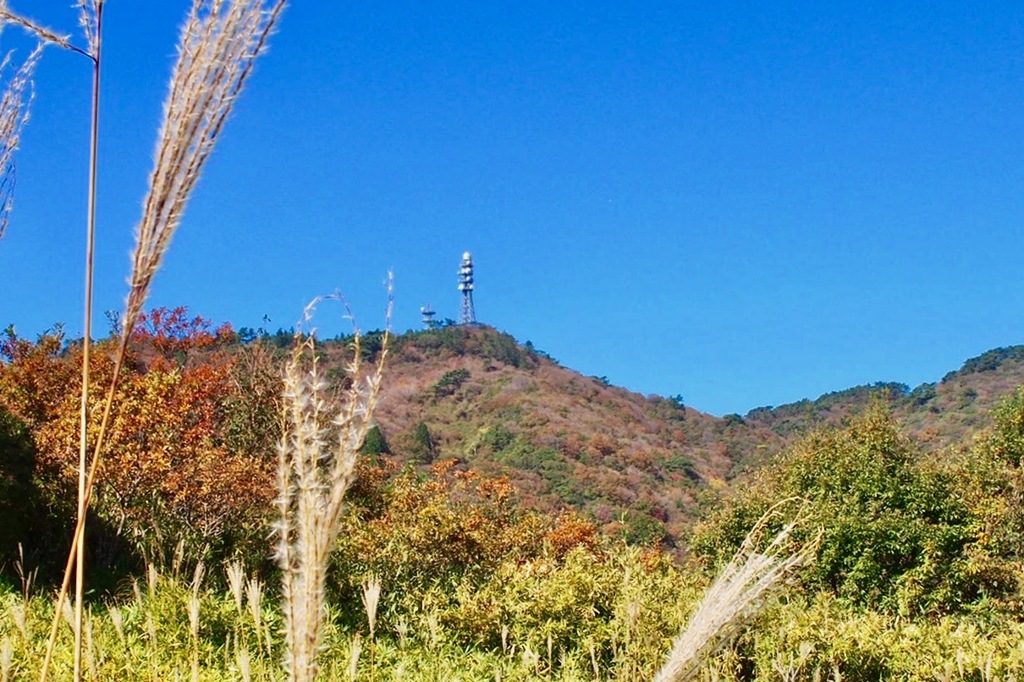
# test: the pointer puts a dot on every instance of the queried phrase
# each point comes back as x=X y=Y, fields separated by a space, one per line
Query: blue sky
x=743 y=203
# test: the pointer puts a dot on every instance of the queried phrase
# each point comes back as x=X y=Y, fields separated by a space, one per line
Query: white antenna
x=468 y=315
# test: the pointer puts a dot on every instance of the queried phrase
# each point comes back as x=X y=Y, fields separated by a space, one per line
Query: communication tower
x=468 y=315
x=428 y=316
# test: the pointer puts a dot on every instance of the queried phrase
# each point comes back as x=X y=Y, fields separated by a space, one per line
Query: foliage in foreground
x=584 y=617
x=900 y=534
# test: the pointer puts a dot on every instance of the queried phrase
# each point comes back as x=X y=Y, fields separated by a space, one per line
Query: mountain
x=938 y=415
x=637 y=464
x=643 y=466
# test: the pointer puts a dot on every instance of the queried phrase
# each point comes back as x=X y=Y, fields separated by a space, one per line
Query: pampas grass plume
x=737 y=595
x=14 y=113
x=316 y=465
x=219 y=43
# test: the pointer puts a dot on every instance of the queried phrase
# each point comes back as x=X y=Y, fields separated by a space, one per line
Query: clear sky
x=746 y=203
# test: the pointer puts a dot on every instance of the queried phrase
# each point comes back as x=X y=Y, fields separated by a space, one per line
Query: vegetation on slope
x=643 y=468
x=916 y=572
x=940 y=415
x=477 y=586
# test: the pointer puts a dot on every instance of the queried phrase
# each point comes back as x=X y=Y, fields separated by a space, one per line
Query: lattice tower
x=468 y=315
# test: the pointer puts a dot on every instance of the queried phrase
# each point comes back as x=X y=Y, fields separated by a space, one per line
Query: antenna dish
x=428 y=316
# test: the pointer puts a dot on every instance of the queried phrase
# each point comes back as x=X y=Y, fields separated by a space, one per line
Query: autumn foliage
x=174 y=469
x=421 y=529
x=190 y=456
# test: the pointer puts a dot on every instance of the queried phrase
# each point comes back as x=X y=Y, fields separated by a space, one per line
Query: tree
x=374 y=443
x=895 y=534
x=422 y=449
x=450 y=382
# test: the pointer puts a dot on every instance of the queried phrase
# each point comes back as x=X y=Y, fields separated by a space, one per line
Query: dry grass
x=316 y=464
x=219 y=44
x=739 y=592
x=13 y=115
x=44 y=34
x=14 y=112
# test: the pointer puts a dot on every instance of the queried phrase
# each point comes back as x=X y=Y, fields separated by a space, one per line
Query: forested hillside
x=523 y=521
x=642 y=467
x=943 y=414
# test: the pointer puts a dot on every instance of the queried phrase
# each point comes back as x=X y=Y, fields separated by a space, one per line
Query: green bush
x=993 y=487
x=498 y=438
x=422 y=449
x=895 y=535
x=1007 y=439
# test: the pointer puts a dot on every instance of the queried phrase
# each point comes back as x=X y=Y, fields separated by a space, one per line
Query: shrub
x=422 y=449
x=450 y=382
x=19 y=504
x=896 y=535
x=498 y=438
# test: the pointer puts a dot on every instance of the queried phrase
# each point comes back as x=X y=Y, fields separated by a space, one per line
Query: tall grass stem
x=95 y=21
x=219 y=44
x=316 y=464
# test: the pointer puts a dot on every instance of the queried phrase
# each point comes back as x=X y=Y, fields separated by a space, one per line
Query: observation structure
x=468 y=314
x=428 y=317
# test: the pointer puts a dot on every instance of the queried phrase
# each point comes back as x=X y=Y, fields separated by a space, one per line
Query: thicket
x=901 y=534
x=191 y=444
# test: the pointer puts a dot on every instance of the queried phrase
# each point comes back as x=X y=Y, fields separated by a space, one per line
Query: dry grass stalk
x=737 y=595
x=44 y=34
x=193 y=607
x=244 y=665
x=353 y=658
x=91 y=17
x=219 y=44
x=6 y=659
x=316 y=464
x=26 y=576
x=117 y=620
x=19 y=616
x=236 y=582
x=90 y=649
x=193 y=626
x=254 y=596
x=89 y=13
x=14 y=112
x=197 y=577
x=152 y=579
x=68 y=614
x=371 y=598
